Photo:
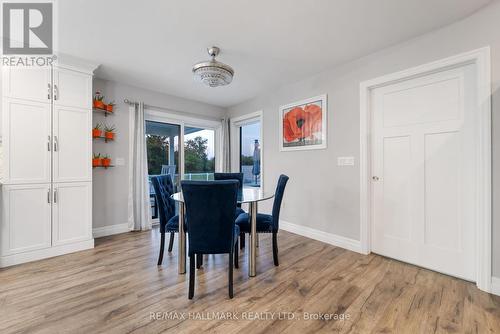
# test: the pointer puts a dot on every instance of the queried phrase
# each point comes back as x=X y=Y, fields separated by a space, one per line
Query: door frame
x=235 y=124
x=482 y=59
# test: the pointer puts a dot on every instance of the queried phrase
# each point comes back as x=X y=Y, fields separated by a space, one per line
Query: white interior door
x=72 y=144
x=423 y=155
x=26 y=223
x=72 y=212
x=26 y=141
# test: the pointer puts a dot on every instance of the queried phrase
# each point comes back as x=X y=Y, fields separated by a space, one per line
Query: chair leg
x=199 y=261
x=162 y=248
x=275 y=249
x=171 y=242
x=257 y=240
x=191 y=277
x=242 y=240
x=236 y=257
x=231 y=275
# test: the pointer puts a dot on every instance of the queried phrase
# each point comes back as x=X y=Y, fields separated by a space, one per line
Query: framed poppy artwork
x=303 y=125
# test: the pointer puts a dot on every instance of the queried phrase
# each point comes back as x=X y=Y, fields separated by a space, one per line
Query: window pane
x=250 y=154
x=199 y=153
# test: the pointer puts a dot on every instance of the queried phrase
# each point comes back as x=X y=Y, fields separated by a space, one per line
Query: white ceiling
x=153 y=44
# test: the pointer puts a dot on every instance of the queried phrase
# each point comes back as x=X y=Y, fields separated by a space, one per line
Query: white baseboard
x=104 y=231
x=329 y=238
x=495 y=286
x=39 y=254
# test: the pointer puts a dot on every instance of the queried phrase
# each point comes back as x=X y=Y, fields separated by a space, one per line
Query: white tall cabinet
x=46 y=181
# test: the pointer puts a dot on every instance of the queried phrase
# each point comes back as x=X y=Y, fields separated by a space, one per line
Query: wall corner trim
x=329 y=238
x=495 y=285
x=99 y=232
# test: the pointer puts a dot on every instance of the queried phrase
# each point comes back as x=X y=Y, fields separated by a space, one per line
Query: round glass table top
x=246 y=196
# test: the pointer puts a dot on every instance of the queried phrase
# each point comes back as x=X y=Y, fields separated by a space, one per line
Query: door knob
x=375 y=178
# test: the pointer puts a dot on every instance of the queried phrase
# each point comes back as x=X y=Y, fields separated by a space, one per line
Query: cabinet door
x=72 y=88
x=26 y=141
x=32 y=84
x=26 y=213
x=72 y=212
x=72 y=144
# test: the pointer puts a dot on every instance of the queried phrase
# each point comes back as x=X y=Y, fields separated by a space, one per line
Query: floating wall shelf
x=106 y=113
x=104 y=138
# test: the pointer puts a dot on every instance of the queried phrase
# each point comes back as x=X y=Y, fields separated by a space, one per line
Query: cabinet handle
x=56 y=92
x=48 y=93
x=48 y=143
x=48 y=196
x=56 y=144
x=55 y=196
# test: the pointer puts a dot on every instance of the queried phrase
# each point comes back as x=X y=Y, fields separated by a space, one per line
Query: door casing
x=481 y=59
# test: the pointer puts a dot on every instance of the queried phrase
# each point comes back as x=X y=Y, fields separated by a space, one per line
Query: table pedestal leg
x=182 y=241
x=252 y=254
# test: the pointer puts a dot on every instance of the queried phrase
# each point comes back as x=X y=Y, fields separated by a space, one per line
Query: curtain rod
x=180 y=112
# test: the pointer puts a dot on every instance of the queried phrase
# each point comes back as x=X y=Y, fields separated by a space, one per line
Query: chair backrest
x=210 y=207
x=168 y=169
x=164 y=188
x=278 y=198
x=230 y=176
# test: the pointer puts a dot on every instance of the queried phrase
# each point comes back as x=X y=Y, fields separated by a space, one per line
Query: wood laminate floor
x=117 y=288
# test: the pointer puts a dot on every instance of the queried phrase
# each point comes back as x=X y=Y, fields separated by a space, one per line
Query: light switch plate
x=120 y=161
x=345 y=161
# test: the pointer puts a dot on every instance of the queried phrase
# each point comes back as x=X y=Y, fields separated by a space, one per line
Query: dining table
x=248 y=195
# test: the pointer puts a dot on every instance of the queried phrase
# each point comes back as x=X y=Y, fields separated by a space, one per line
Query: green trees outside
x=196 y=159
x=246 y=160
x=157 y=147
x=195 y=151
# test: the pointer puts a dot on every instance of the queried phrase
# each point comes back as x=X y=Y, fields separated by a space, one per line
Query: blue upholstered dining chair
x=169 y=221
x=239 y=210
x=210 y=224
x=267 y=223
x=232 y=176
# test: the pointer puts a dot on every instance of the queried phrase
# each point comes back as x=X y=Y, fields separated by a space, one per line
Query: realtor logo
x=27 y=28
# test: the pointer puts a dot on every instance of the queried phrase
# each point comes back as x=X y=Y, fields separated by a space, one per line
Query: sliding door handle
x=48 y=143
x=55 y=196
x=48 y=91
x=48 y=196
x=56 y=144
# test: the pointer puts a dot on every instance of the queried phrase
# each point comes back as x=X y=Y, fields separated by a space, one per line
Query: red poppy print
x=303 y=124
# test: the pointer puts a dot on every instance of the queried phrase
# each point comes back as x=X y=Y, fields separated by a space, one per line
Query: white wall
x=110 y=193
x=325 y=197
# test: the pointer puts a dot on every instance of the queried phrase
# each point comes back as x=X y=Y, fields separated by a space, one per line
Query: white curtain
x=139 y=214
x=226 y=146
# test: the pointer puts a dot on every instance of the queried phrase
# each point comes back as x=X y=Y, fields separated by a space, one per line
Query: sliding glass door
x=163 y=148
x=246 y=148
x=162 y=142
x=186 y=148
